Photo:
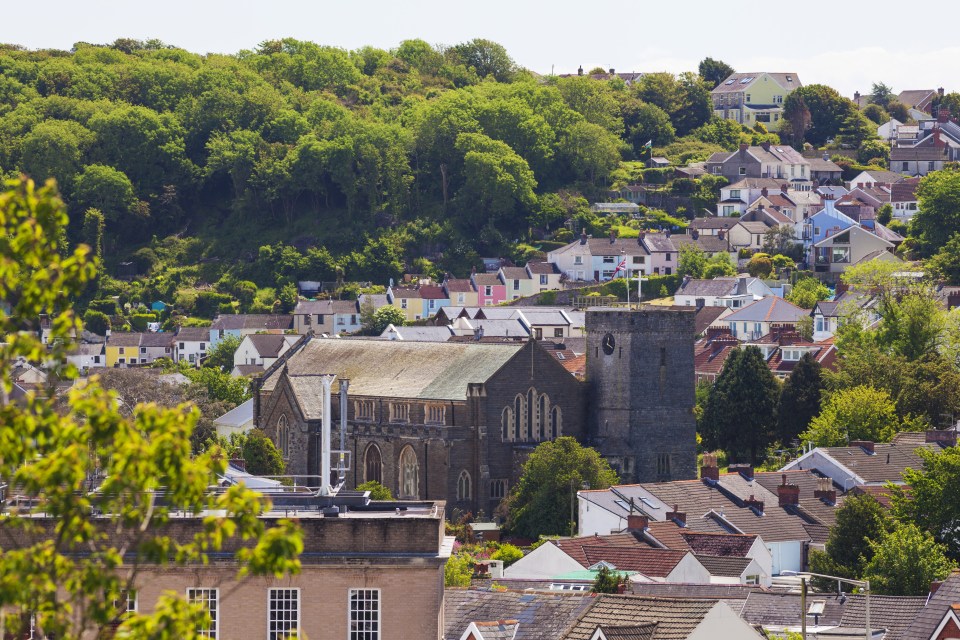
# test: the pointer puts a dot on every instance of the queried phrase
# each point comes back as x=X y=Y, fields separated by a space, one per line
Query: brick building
x=454 y=421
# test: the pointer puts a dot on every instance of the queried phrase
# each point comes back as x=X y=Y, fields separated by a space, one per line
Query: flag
x=649 y=145
x=620 y=267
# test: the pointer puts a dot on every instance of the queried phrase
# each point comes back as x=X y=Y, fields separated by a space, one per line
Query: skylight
x=730 y=81
x=745 y=80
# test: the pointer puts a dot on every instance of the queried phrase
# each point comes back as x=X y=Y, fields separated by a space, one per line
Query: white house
x=262 y=349
x=721 y=292
x=237 y=420
x=191 y=344
x=87 y=355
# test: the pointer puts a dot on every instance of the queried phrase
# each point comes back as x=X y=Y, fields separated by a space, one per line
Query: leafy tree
x=855 y=129
x=508 y=553
x=933 y=501
x=860 y=413
x=799 y=398
x=938 y=217
x=796 y=120
x=92 y=233
x=741 y=412
x=719 y=265
x=876 y=113
x=719 y=131
x=106 y=189
x=261 y=456
x=220 y=385
x=540 y=502
x=885 y=213
x=906 y=561
x=498 y=183
x=779 y=239
x=70 y=580
x=384 y=317
x=692 y=261
x=96 y=322
x=873 y=149
x=827 y=111
x=55 y=149
x=608 y=581
x=596 y=101
x=590 y=151
x=377 y=490
x=458 y=570
x=646 y=123
x=486 y=58
x=881 y=95
x=861 y=519
x=946 y=263
x=221 y=356
x=807 y=292
x=685 y=98
x=760 y=266
x=713 y=71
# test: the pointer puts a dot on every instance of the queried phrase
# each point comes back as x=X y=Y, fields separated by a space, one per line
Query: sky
x=840 y=43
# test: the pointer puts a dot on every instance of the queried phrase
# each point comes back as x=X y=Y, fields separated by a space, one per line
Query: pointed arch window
x=506 y=423
x=373 y=464
x=531 y=407
x=464 y=486
x=542 y=418
x=517 y=417
x=556 y=423
x=283 y=443
x=409 y=474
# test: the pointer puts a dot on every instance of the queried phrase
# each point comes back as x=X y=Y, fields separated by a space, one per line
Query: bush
x=208 y=303
x=261 y=456
x=661 y=286
x=377 y=490
x=508 y=553
x=760 y=266
x=106 y=306
x=96 y=322
x=139 y=320
x=458 y=571
x=548 y=298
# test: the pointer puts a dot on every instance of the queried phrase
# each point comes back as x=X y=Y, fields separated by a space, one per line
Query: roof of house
x=541 y=616
x=893 y=613
x=773 y=609
x=643 y=631
x=740 y=81
x=710 y=355
x=193 y=334
x=905 y=190
x=157 y=340
x=238 y=416
x=882 y=176
x=660 y=242
x=921 y=154
x=708 y=243
x=754 y=227
x=713 y=222
x=543 y=267
x=916 y=97
x=258 y=321
x=925 y=621
x=769 y=309
x=487 y=279
x=655 y=563
x=771 y=184
x=122 y=339
x=515 y=273
x=405 y=292
x=706 y=316
x=718 y=544
x=247 y=370
x=432 y=292
x=418 y=334
x=887 y=462
x=428 y=370
x=497 y=629
x=714 y=287
x=606 y=247
x=676 y=618
x=458 y=285
x=725 y=566
x=268 y=345
x=726 y=592
x=824 y=166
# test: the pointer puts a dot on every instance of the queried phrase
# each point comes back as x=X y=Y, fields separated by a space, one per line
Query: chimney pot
x=709 y=469
x=580 y=71
x=612 y=71
x=636 y=522
x=677 y=516
x=788 y=494
x=866 y=445
x=743 y=147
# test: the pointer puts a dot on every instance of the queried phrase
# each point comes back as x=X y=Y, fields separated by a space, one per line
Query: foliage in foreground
x=70 y=577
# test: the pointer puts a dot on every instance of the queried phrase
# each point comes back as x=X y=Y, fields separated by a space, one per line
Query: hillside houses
x=752 y=98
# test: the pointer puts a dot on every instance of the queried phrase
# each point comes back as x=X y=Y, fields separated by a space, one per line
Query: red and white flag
x=621 y=267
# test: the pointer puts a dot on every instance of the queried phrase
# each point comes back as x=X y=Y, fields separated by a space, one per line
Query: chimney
x=709 y=469
x=721 y=233
x=680 y=517
x=856 y=97
x=745 y=470
x=694 y=234
x=753 y=503
x=825 y=490
x=940 y=92
x=612 y=71
x=636 y=522
x=785 y=187
x=239 y=463
x=580 y=71
x=743 y=148
x=765 y=145
x=943 y=438
x=764 y=192
x=613 y=236
x=788 y=494
x=668 y=232
x=583 y=237
x=641 y=236
x=866 y=445
x=935 y=586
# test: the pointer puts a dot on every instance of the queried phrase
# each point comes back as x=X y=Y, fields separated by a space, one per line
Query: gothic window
x=517 y=417
x=463 y=486
x=436 y=414
x=542 y=418
x=506 y=422
x=556 y=423
x=663 y=465
x=363 y=409
x=531 y=407
x=373 y=464
x=282 y=437
x=498 y=489
x=409 y=474
x=399 y=412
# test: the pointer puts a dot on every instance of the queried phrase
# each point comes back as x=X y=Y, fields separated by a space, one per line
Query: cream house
x=756 y=97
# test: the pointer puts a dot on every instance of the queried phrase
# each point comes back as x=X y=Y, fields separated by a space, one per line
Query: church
x=455 y=421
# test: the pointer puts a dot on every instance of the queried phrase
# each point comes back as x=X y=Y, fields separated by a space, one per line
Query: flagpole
x=627 y=271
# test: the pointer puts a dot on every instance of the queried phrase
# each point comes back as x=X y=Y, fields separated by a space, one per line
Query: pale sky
x=845 y=44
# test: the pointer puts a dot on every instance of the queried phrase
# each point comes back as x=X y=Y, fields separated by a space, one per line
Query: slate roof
x=543 y=267
x=246 y=370
x=157 y=340
x=436 y=371
x=718 y=544
x=604 y=247
x=676 y=618
x=540 y=616
x=312 y=307
x=122 y=339
x=918 y=154
x=729 y=593
x=905 y=190
x=421 y=334
x=726 y=567
x=268 y=345
x=257 y=321
x=487 y=280
x=770 y=184
x=714 y=287
x=769 y=309
x=497 y=629
x=706 y=316
x=783 y=609
x=883 y=176
x=193 y=334
x=643 y=631
x=709 y=244
x=926 y=620
x=716 y=222
x=916 y=97
x=515 y=273
x=887 y=463
x=432 y=292
x=824 y=166
x=737 y=85
x=458 y=285
x=823 y=511
x=659 y=242
x=893 y=613
x=754 y=227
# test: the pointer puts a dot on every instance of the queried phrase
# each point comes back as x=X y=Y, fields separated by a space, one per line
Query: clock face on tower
x=608 y=344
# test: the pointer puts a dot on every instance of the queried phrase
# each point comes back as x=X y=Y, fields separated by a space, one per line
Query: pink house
x=490 y=289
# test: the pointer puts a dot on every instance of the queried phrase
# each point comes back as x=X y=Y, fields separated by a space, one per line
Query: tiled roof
x=498 y=629
x=718 y=544
x=921 y=154
x=344 y=306
x=716 y=222
x=541 y=616
x=755 y=183
x=714 y=287
x=515 y=273
x=916 y=97
x=743 y=81
x=157 y=340
x=905 y=190
x=120 y=339
x=806 y=479
x=710 y=357
x=249 y=369
x=268 y=345
x=676 y=619
x=404 y=292
x=882 y=176
x=644 y=631
x=886 y=464
x=432 y=292
x=821 y=165
x=656 y=563
x=261 y=322
x=726 y=592
x=705 y=317
x=725 y=566
x=926 y=620
x=313 y=307
x=543 y=267
x=659 y=242
x=487 y=279
x=893 y=613
x=783 y=609
x=427 y=370
x=707 y=243
x=769 y=309
x=193 y=334
x=755 y=227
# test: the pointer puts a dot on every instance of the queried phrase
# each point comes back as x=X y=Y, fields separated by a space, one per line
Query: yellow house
x=460 y=292
x=407 y=300
x=749 y=98
x=122 y=349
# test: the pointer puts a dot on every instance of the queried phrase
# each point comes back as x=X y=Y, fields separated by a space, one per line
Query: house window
x=403 y=303
x=363 y=409
x=543 y=278
x=516 y=285
x=669 y=257
x=578 y=260
x=436 y=414
x=182 y=346
x=121 y=351
x=461 y=298
x=409 y=474
x=930 y=166
x=558 y=332
x=342 y=321
x=517 y=417
x=208 y=599
x=556 y=426
x=506 y=421
x=283 y=617
x=498 y=489
x=488 y=290
x=96 y=359
x=840 y=254
x=282 y=437
x=819 y=323
x=663 y=465
x=743 y=171
x=399 y=412
x=905 y=167
x=747 y=99
x=306 y=319
x=727 y=209
x=609 y=260
x=464 y=486
x=364 y=619
x=757 y=328
x=373 y=464
x=638 y=260
x=735 y=194
x=538 y=334
x=752 y=579
x=143 y=349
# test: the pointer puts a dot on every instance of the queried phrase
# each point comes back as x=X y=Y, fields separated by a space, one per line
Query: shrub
x=458 y=571
x=508 y=553
x=548 y=298
x=261 y=455
x=96 y=322
x=139 y=320
x=377 y=490
x=208 y=303
x=106 y=306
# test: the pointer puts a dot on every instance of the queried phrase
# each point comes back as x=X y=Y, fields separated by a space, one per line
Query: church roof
x=399 y=369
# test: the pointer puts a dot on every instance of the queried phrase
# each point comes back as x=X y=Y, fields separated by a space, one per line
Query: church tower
x=641 y=377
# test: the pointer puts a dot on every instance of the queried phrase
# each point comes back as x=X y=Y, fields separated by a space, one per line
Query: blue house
x=825 y=223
